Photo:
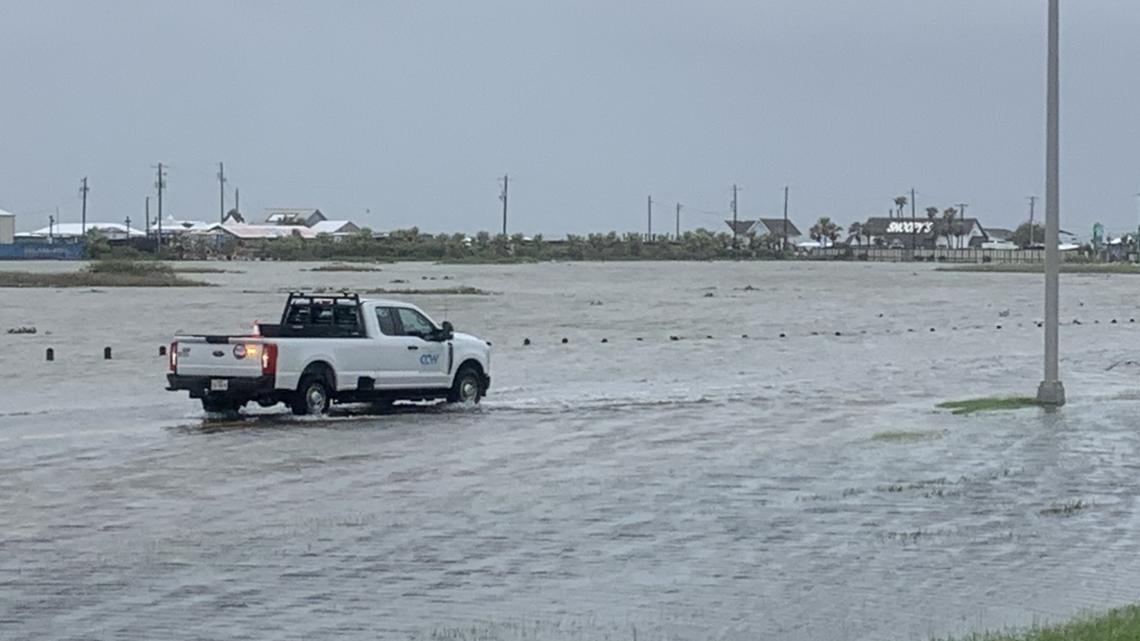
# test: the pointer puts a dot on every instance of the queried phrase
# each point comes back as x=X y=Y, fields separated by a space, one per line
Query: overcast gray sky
x=412 y=110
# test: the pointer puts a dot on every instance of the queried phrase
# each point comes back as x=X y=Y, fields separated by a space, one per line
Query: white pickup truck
x=333 y=348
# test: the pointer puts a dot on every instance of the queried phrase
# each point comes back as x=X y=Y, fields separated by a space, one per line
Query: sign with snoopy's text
x=908 y=227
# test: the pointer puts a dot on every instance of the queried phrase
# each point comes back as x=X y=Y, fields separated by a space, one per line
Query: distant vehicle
x=999 y=244
x=333 y=348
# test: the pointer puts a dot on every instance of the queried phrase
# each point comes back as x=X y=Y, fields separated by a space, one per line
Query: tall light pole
x=1051 y=392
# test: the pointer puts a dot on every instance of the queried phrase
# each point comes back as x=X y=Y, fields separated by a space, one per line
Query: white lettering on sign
x=907 y=227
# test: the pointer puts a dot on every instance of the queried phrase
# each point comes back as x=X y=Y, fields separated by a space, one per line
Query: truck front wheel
x=466 y=388
x=312 y=397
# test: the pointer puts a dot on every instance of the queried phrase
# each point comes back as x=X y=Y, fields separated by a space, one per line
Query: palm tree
x=824 y=229
x=932 y=212
x=856 y=231
x=952 y=228
x=900 y=202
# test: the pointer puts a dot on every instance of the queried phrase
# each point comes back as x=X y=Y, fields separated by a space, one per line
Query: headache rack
x=324 y=315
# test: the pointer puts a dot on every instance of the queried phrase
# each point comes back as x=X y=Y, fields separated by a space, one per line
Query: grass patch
x=988 y=404
x=1064 y=509
x=487 y=260
x=1120 y=624
x=442 y=291
x=206 y=270
x=905 y=436
x=1039 y=268
x=343 y=267
x=103 y=273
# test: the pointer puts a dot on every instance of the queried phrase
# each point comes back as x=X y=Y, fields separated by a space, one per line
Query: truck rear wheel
x=312 y=397
x=467 y=388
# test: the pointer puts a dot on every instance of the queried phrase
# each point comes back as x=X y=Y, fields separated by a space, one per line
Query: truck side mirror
x=448 y=330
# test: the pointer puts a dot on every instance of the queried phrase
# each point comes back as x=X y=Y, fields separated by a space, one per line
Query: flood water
x=710 y=487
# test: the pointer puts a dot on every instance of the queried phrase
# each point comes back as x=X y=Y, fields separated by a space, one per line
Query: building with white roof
x=75 y=231
x=7 y=227
x=335 y=227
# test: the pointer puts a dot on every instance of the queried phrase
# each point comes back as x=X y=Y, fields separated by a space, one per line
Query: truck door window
x=386 y=317
x=415 y=324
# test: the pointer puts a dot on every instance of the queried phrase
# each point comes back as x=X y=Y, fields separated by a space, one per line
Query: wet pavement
x=708 y=487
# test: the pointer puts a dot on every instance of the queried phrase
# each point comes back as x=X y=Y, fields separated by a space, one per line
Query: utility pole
x=128 y=222
x=913 y=225
x=1032 y=207
x=237 y=200
x=734 y=190
x=961 y=217
x=784 y=244
x=503 y=197
x=147 y=219
x=83 y=217
x=649 y=212
x=51 y=228
x=160 y=185
x=678 y=236
x=1051 y=391
x=1138 y=229
x=221 y=192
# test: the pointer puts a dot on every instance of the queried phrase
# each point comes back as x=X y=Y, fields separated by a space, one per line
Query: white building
x=7 y=227
x=242 y=231
x=75 y=231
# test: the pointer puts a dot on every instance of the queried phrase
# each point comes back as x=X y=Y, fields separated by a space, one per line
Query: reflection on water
x=723 y=487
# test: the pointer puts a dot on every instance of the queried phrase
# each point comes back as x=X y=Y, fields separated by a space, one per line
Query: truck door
x=392 y=366
x=425 y=358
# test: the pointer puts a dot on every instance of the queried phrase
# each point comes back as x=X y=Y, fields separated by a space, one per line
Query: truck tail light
x=269 y=359
x=174 y=358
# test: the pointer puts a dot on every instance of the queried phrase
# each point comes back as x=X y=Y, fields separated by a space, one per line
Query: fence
x=37 y=251
x=882 y=254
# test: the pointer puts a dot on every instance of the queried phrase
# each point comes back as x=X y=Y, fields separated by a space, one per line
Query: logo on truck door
x=427 y=360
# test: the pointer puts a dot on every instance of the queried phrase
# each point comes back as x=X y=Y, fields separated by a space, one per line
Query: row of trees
x=411 y=244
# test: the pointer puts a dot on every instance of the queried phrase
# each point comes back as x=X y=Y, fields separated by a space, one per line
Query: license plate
x=219 y=385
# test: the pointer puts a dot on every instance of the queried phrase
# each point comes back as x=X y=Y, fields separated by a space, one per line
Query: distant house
x=296 y=217
x=241 y=231
x=999 y=234
x=741 y=227
x=774 y=227
x=924 y=233
x=771 y=227
x=173 y=227
x=75 y=231
x=335 y=227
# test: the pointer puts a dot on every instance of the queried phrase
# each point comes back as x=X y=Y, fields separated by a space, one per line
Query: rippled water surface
x=708 y=487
